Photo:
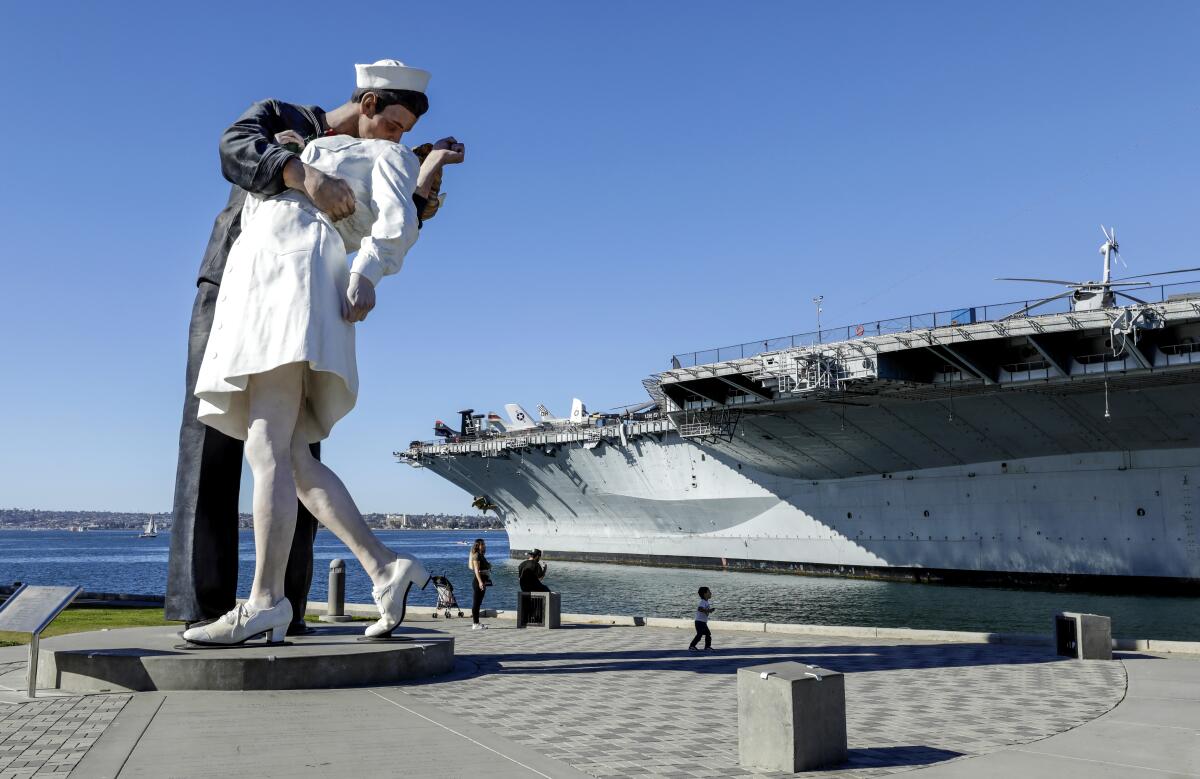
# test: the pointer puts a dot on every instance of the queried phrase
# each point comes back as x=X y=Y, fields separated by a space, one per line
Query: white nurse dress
x=283 y=286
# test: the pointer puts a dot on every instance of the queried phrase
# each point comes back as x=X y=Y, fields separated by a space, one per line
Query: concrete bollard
x=547 y=614
x=791 y=717
x=335 y=610
x=1083 y=636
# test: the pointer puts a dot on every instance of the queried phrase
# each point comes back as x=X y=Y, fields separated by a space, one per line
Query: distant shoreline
x=39 y=519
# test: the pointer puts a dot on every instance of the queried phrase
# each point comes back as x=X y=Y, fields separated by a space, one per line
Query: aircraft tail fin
x=518 y=417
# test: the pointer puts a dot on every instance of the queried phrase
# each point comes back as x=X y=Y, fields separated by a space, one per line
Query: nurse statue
x=279 y=370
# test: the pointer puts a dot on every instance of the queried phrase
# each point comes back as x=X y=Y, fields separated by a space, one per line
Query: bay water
x=119 y=561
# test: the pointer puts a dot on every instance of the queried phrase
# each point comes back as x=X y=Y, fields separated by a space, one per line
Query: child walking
x=702 y=612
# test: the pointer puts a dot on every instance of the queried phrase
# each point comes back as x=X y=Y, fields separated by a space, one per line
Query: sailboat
x=151 y=531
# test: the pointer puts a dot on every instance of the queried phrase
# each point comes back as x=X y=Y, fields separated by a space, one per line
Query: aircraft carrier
x=1043 y=443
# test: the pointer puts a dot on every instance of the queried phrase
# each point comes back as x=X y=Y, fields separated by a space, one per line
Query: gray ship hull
x=1073 y=520
x=1027 y=452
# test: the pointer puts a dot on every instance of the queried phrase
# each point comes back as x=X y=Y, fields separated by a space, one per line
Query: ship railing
x=1012 y=367
x=1177 y=349
x=1097 y=358
x=992 y=312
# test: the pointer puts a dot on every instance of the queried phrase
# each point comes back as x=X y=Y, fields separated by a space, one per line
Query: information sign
x=29 y=610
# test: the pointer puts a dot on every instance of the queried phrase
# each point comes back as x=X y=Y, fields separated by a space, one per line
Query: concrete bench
x=791 y=717
x=1083 y=636
x=545 y=614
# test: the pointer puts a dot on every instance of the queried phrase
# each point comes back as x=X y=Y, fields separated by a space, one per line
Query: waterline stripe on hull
x=1145 y=585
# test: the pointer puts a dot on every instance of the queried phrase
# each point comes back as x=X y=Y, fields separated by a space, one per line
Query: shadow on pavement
x=879 y=757
x=847 y=658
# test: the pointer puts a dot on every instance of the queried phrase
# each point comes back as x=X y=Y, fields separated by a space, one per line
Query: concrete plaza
x=604 y=700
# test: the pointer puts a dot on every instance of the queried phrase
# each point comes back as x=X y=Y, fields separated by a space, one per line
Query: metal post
x=335 y=608
x=33 y=663
x=337 y=587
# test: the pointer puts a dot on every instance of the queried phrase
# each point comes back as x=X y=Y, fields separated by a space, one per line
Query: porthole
x=926 y=512
x=1141 y=512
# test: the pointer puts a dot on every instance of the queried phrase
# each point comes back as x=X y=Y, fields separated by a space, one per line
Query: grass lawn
x=80 y=619
x=77 y=620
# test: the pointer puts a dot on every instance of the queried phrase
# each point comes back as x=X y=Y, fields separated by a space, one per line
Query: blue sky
x=642 y=179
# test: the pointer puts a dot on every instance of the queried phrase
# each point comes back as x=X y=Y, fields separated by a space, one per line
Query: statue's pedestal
x=138 y=659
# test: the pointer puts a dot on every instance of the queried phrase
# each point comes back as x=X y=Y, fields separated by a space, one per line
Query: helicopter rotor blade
x=1160 y=273
x=1131 y=297
x=1045 y=281
x=1038 y=304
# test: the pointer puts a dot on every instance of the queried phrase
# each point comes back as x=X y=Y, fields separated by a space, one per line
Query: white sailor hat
x=391 y=74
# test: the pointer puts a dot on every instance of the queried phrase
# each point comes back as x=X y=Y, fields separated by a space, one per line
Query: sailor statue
x=278 y=369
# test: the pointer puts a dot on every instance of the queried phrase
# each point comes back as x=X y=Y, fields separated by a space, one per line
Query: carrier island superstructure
x=993 y=445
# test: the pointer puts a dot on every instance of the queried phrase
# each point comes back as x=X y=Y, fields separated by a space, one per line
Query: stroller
x=446 y=599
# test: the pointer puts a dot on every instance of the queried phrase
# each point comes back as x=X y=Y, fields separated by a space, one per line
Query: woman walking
x=481 y=571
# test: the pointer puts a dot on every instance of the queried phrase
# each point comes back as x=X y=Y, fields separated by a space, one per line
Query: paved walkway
x=631 y=701
x=1154 y=732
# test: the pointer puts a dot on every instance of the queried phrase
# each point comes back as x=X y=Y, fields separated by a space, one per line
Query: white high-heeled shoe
x=242 y=624
x=392 y=598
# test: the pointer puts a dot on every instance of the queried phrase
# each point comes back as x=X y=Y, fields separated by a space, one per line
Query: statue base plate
x=141 y=659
